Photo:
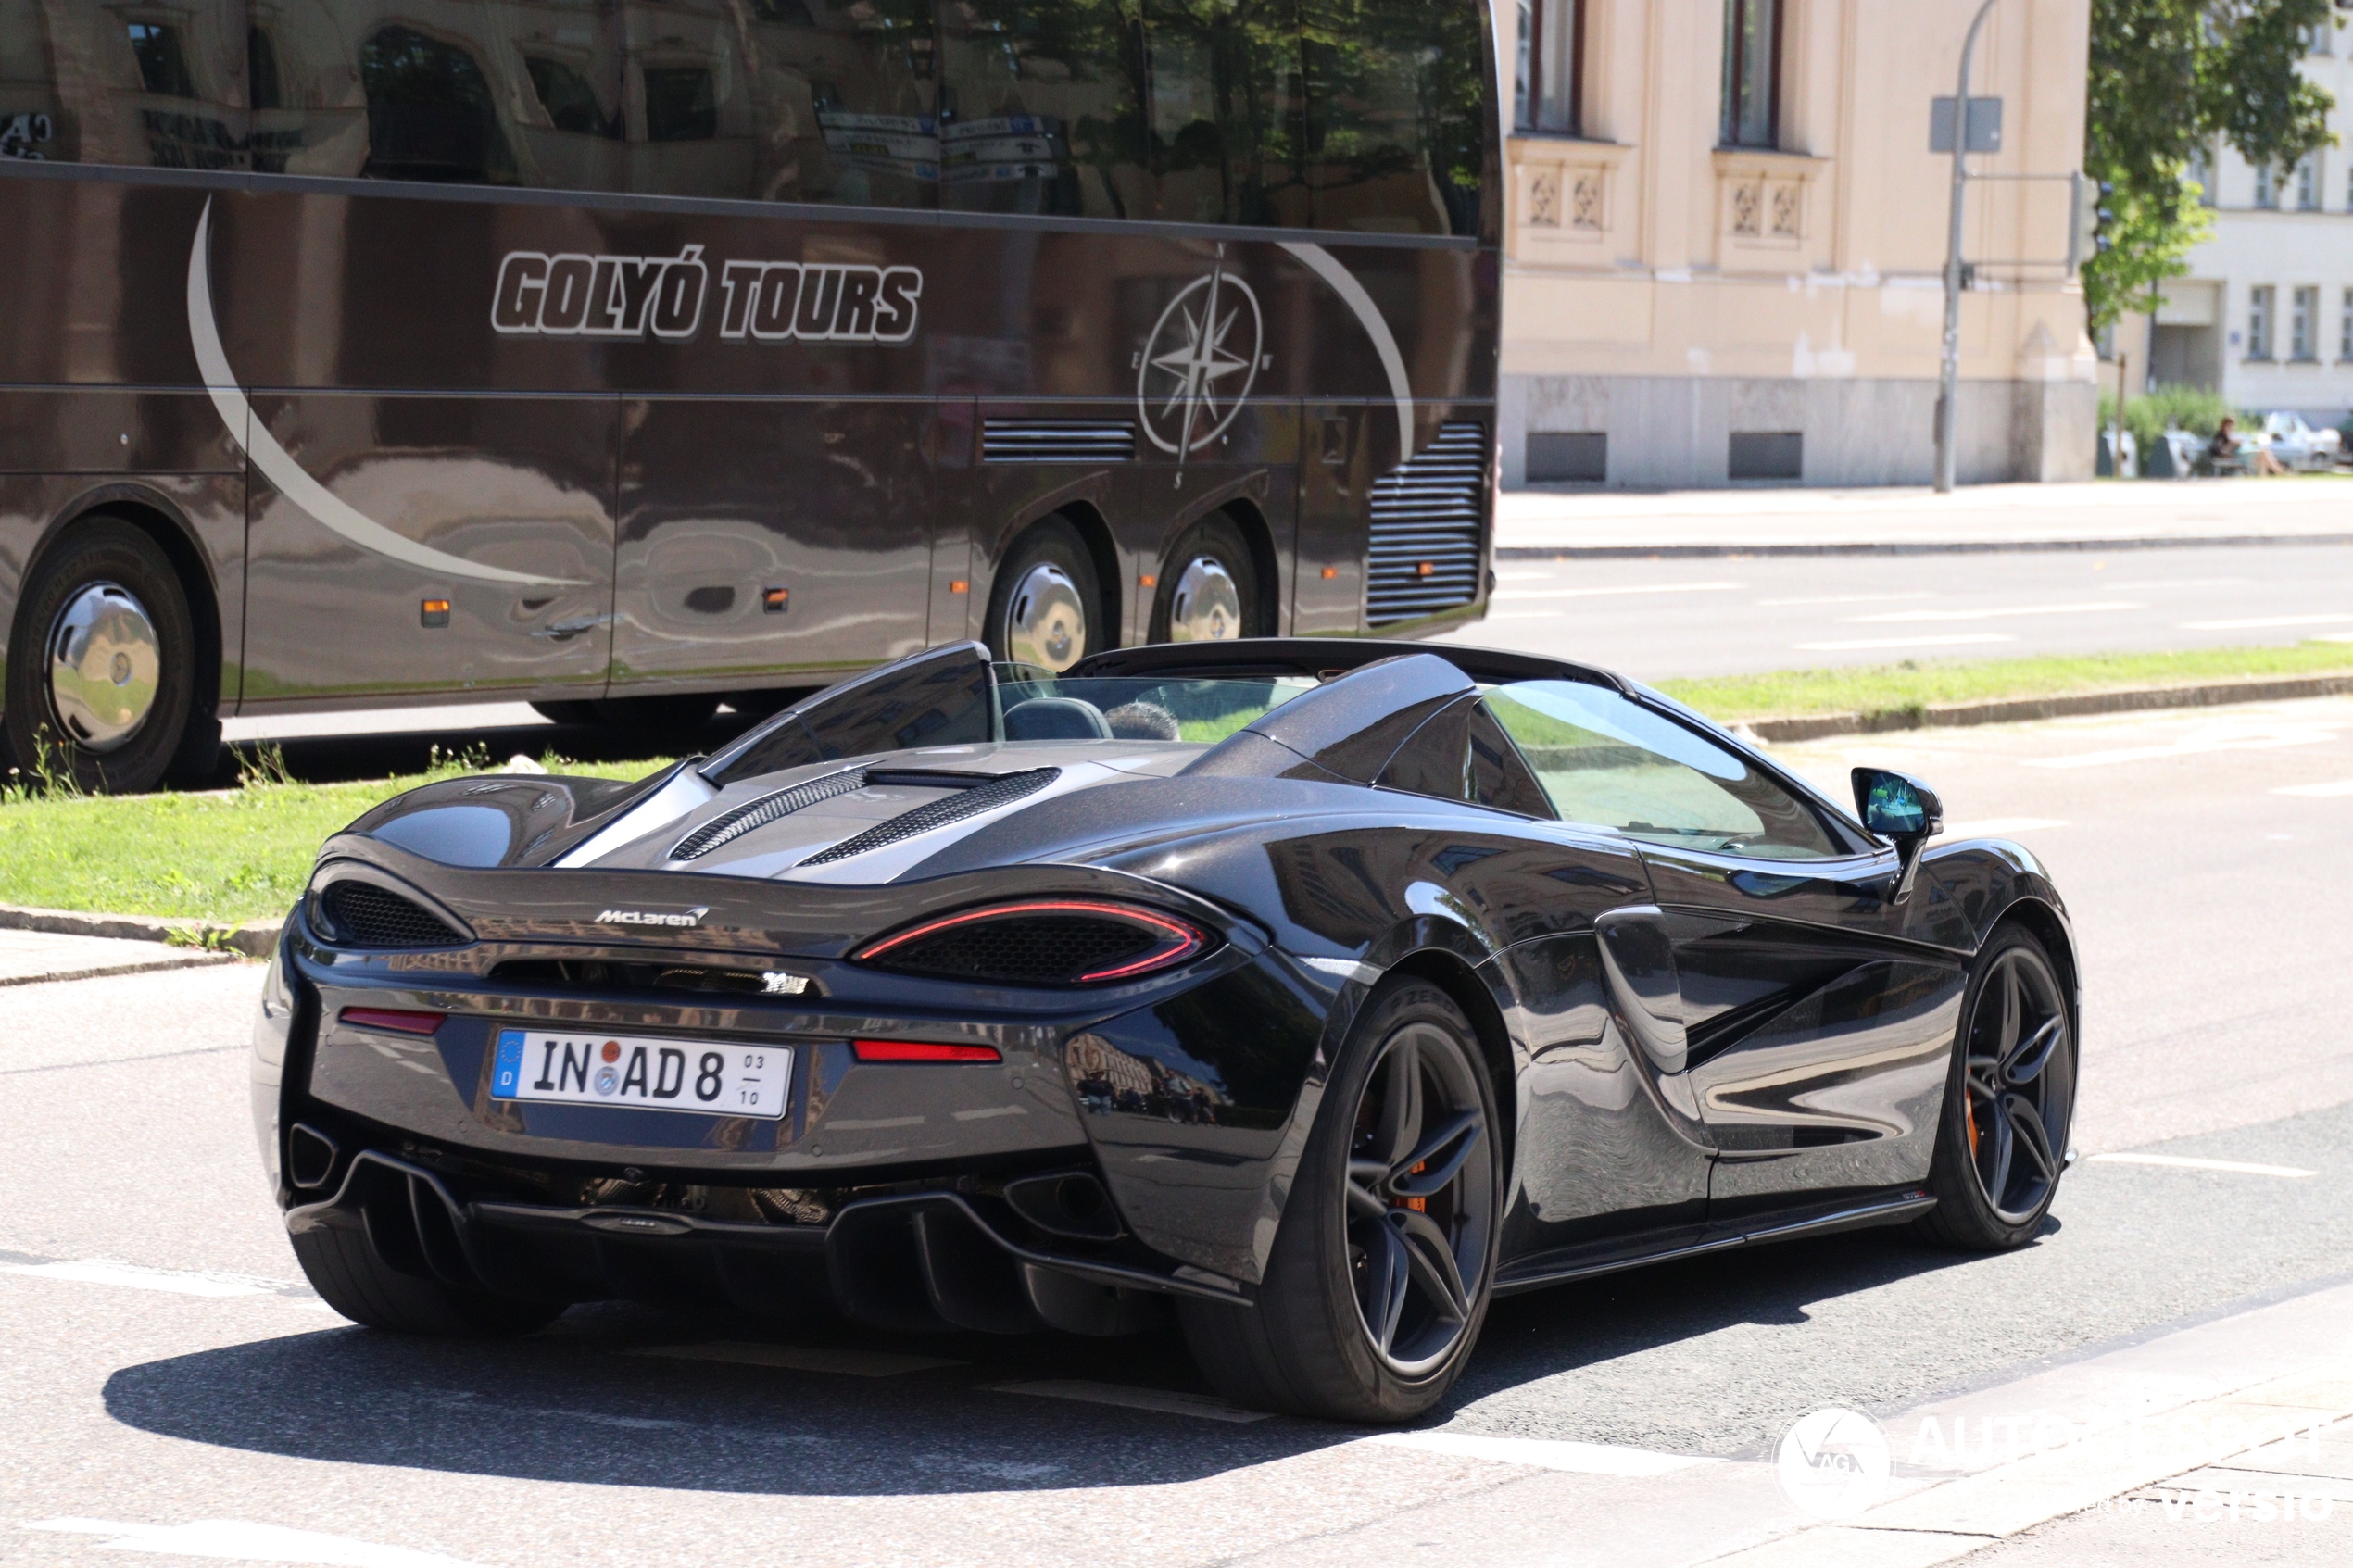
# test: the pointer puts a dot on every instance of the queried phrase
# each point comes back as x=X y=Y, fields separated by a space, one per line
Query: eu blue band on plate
x=506 y=1074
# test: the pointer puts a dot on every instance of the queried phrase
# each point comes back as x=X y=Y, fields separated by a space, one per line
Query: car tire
x=1309 y=1345
x=344 y=1269
x=1209 y=586
x=1045 y=608
x=2010 y=1101
x=118 y=713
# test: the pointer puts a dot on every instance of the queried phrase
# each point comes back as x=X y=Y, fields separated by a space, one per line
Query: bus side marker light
x=433 y=612
x=773 y=600
x=960 y=586
x=1148 y=581
x=1331 y=572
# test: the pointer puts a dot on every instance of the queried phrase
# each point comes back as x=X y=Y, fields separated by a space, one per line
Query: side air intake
x=361 y=914
x=1057 y=441
x=732 y=825
x=973 y=802
x=1426 y=522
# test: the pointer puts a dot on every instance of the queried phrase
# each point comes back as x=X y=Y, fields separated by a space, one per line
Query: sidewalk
x=2112 y=515
x=29 y=957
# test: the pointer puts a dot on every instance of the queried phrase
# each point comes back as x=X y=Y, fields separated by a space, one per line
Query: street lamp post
x=1949 y=396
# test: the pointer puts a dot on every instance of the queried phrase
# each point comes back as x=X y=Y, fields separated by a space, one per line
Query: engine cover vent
x=732 y=825
x=1002 y=790
x=1426 y=522
x=1057 y=441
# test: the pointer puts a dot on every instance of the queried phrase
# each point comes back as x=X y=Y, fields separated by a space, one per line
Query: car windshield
x=1040 y=707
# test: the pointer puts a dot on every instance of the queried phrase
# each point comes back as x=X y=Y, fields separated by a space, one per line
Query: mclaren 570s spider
x=1315 y=992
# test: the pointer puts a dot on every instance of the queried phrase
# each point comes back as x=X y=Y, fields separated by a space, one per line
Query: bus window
x=430 y=114
x=1395 y=131
x=86 y=84
x=1224 y=115
x=1041 y=108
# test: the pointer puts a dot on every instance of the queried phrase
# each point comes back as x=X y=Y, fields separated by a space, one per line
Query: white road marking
x=2254 y=623
x=2000 y=827
x=799 y=1358
x=179 y=1281
x=1843 y=599
x=2181 y=1162
x=1630 y=588
x=2318 y=791
x=1161 y=1400
x=2176 y=582
x=245 y=1540
x=1955 y=641
x=2095 y=606
x=1582 y=1458
x=2210 y=737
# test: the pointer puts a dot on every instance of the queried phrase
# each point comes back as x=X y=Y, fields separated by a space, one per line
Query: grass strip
x=1915 y=683
x=232 y=856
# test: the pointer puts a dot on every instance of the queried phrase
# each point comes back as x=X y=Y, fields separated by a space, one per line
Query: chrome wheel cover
x=1206 y=606
x=1046 y=620
x=105 y=661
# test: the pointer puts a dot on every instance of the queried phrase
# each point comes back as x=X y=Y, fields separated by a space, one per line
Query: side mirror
x=1901 y=809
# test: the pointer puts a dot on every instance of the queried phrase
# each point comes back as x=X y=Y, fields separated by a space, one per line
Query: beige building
x=1727 y=237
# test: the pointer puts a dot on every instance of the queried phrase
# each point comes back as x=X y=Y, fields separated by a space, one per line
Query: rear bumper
x=932 y=1259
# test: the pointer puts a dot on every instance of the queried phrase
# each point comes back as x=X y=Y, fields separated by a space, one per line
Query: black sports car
x=1319 y=989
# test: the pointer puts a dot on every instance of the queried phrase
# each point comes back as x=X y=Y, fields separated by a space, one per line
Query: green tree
x=2170 y=78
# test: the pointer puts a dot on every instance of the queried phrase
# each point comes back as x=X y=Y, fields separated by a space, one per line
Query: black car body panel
x=1694 y=1048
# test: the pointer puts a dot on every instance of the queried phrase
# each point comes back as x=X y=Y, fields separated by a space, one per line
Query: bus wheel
x=573 y=710
x=1209 y=588
x=101 y=685
x=1043 y=610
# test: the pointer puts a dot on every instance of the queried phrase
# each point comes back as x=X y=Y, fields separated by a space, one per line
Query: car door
x=1816 y=1010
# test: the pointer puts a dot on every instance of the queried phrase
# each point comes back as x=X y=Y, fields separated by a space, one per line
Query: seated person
x=2229 y=446
x=1142 y=721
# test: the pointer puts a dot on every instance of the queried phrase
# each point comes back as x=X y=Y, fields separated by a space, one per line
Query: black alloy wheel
x=1209 y=587
x=101 y=679
x=2010 y=1101
x=1045 y=607
x=1384 y=1262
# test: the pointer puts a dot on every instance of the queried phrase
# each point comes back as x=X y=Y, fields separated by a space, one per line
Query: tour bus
x=627 y=356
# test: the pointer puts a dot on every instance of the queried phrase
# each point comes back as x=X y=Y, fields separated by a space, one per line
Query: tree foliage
x=2170 y=78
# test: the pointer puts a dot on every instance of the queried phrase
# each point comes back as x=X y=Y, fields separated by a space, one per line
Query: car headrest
x=1055 y=718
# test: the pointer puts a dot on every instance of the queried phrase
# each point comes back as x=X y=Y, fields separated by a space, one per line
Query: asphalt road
x=165 y=1368
x=1656 y=619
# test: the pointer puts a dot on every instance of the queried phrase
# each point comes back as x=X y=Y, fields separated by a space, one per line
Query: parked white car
x=2297 y=444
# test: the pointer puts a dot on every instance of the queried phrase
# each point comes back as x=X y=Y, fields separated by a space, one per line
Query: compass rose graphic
x=1199 y=364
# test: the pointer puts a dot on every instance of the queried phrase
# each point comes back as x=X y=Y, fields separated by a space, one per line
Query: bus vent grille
x=1002 y=790
x=1427 y=516
x=760 y=812
x=1057 y=441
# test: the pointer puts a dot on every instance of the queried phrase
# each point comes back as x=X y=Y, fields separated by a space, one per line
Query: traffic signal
x=2093 y=230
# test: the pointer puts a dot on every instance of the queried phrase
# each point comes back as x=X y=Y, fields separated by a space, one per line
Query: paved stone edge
x=1717 y=549
x=106 y=971
x=2212 y=693
x=257 y=939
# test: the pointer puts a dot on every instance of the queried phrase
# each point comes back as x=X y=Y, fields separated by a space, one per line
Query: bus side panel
x=502 y=508
x=765 y=539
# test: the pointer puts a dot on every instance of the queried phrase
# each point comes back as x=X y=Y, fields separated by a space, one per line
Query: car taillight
x=1041 y=942
x=397 y=1020
x=921 y=1050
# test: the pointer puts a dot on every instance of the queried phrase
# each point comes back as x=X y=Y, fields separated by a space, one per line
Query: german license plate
x=712 y=1078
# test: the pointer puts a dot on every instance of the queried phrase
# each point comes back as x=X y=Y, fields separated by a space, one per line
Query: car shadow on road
x=580 y=1402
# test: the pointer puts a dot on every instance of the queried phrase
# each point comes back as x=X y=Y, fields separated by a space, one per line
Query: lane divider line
x=799 y=1358
x=1544 y=1453
x=1164 y=1402
x=243 y=1539
x=2183 y=1162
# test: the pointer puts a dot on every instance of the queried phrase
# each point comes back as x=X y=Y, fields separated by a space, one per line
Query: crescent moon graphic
x=278 y=465
x=1343 y=281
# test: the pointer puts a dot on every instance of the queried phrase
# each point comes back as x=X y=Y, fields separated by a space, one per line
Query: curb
x=1821 y=726
x=1904 y=547
x=255 y=940
x=107 y=971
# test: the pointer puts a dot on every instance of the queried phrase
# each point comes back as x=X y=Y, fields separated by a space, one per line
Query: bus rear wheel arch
x=104 y=691
x=1213 y=584
x=1046 y=608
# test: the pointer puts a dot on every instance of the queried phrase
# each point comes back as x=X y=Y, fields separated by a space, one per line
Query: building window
x=2259 y=322
x=1551 y=65
x=2345 y=327
x=2308 y=182
x=2267 y=185
x=2304 y=326
x=1752 y=73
